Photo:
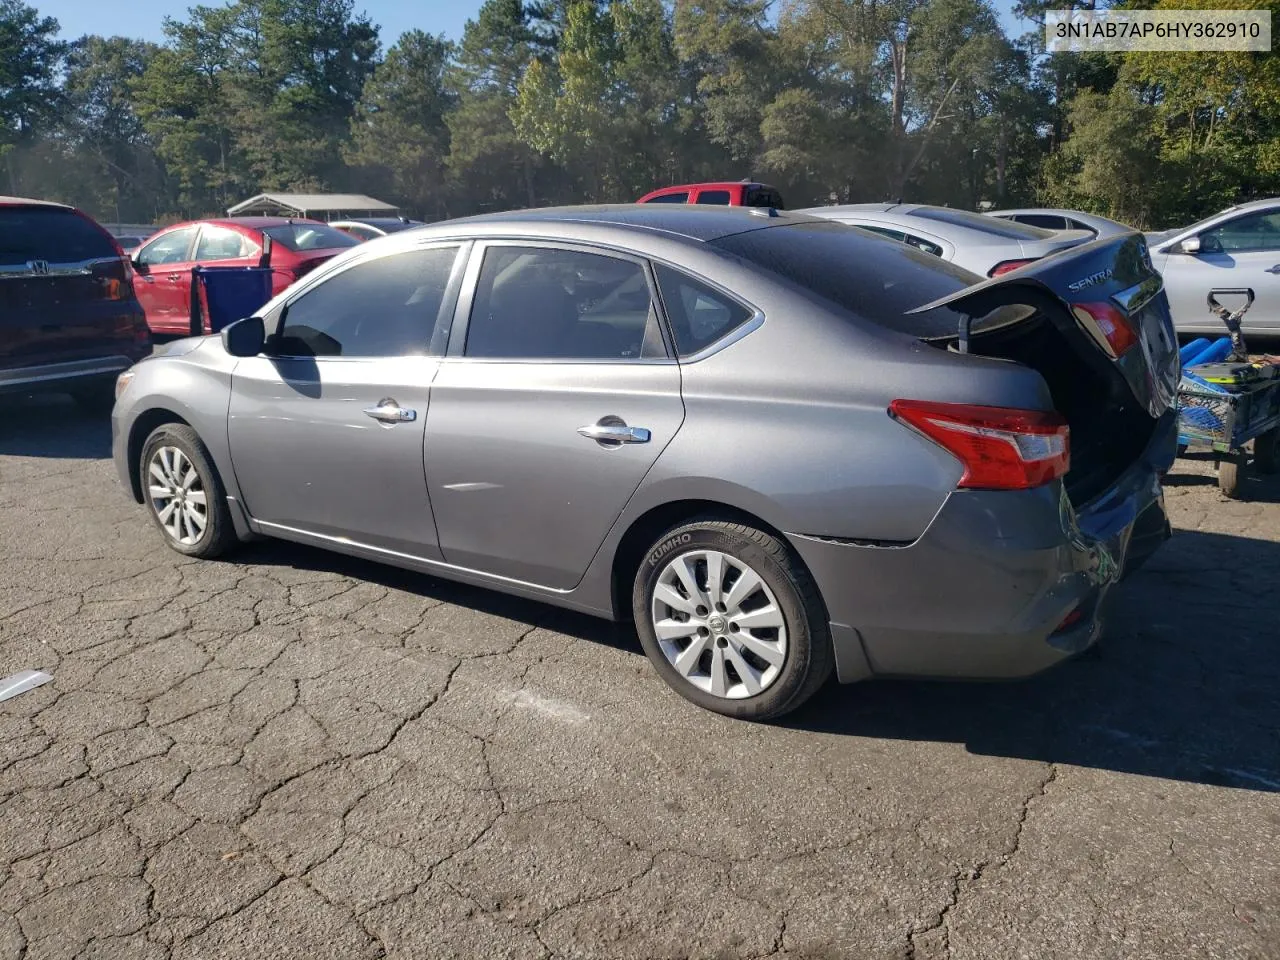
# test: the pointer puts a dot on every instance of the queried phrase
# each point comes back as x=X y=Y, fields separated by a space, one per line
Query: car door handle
x=606 y=432
x=388 y=411
x=1275 y=269
x=174 y=278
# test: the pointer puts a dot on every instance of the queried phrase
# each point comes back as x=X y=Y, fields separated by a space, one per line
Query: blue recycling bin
x=222 y=295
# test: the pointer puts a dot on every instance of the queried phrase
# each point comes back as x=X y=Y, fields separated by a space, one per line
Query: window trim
x=461 y=316
x=276 y=318
x=753 y=323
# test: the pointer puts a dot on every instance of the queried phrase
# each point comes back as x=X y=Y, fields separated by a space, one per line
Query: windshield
x=301 y=237
x=52 y=234
x=1008 y=229
x=873 y=277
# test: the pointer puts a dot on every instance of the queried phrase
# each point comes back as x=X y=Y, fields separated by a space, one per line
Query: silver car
x=781 y=446
x=1052 y=218
x=984 y=245
x=1237 y=248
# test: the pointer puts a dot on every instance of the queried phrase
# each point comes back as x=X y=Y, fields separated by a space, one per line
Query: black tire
x=219 y=533
x=1266 y=455
x=1231 y=470
x=809 y=658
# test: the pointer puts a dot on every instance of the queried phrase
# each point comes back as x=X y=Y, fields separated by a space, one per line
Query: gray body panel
x=785 y=421
x=1188 y=277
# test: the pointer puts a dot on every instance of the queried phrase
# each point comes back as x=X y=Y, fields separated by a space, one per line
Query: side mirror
x=1190 y=245
x=138 y=265
x=244 y=338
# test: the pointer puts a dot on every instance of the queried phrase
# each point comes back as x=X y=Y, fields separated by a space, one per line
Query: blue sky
x=143 y=18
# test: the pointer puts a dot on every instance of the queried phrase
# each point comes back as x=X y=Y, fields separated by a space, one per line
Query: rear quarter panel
x=790 y=423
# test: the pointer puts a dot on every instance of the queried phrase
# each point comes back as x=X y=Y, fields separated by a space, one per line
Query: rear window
x=682 y=197
x=875 y=278
x=978 y=221
x=310 y=236
x=52 y=234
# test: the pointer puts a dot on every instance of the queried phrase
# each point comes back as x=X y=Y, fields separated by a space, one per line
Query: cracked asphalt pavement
x=294 y=754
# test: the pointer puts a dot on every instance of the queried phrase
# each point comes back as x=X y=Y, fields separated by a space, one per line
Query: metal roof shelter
x=320 y=206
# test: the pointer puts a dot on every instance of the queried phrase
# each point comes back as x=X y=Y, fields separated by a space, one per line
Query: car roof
x=254 y=222
x=692 y=222
x=373 y=221
x=29 y=202
x=710 y=184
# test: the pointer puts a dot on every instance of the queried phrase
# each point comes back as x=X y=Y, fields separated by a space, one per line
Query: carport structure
x=317 y=206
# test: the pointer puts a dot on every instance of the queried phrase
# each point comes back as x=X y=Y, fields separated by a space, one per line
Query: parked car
x=1054 y=219
x=794 y=452
x=291 y=247
x=742 y=193
x=370 y=228
x=982 y=244
x=1240 y=248
x=69 y=320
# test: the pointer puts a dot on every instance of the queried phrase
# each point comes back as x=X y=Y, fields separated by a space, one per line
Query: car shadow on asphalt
x=53 y=426
x=1184 y=685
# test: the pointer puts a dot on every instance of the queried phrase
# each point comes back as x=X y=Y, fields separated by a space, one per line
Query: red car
x=291 y=247
x=742 y=193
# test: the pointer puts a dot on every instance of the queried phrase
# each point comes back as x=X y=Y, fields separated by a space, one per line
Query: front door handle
x=1275 y=269
x=175 y=278
x=614 y=432
x=388 y=411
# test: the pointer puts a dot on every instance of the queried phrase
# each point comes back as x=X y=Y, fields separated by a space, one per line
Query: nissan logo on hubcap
x=717 y=624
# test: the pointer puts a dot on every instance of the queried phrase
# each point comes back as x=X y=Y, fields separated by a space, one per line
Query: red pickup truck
x=741 y=193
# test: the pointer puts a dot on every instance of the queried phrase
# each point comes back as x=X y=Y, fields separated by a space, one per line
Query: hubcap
x=177 y=495
x=719 y=625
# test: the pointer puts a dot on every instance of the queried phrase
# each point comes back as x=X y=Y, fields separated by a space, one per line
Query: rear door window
x=173 y=247
x=699 y=314
x=680 y=197
x=221 y=243
x=717 y=197
x=51 y=234
x=555 y=304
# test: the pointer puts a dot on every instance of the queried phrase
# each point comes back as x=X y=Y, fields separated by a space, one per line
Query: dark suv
x=69 y=320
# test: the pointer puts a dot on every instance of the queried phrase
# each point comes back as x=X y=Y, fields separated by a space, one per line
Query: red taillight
x=1008 y=266
x=1107 y=320
x=1001 y=448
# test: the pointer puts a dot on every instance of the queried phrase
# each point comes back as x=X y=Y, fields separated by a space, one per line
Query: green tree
x=30 y=59
x=399 y=134
x=120 y=175
x=488 y=162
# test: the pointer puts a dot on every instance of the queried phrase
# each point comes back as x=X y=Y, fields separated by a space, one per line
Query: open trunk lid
x=1105 y=298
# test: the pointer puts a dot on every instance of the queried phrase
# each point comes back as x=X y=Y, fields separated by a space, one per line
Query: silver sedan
x=984 y=245
x=1237 y=248
x=780 y=446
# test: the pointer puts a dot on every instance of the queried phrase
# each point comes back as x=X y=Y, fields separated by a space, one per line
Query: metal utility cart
x=1227 y=419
